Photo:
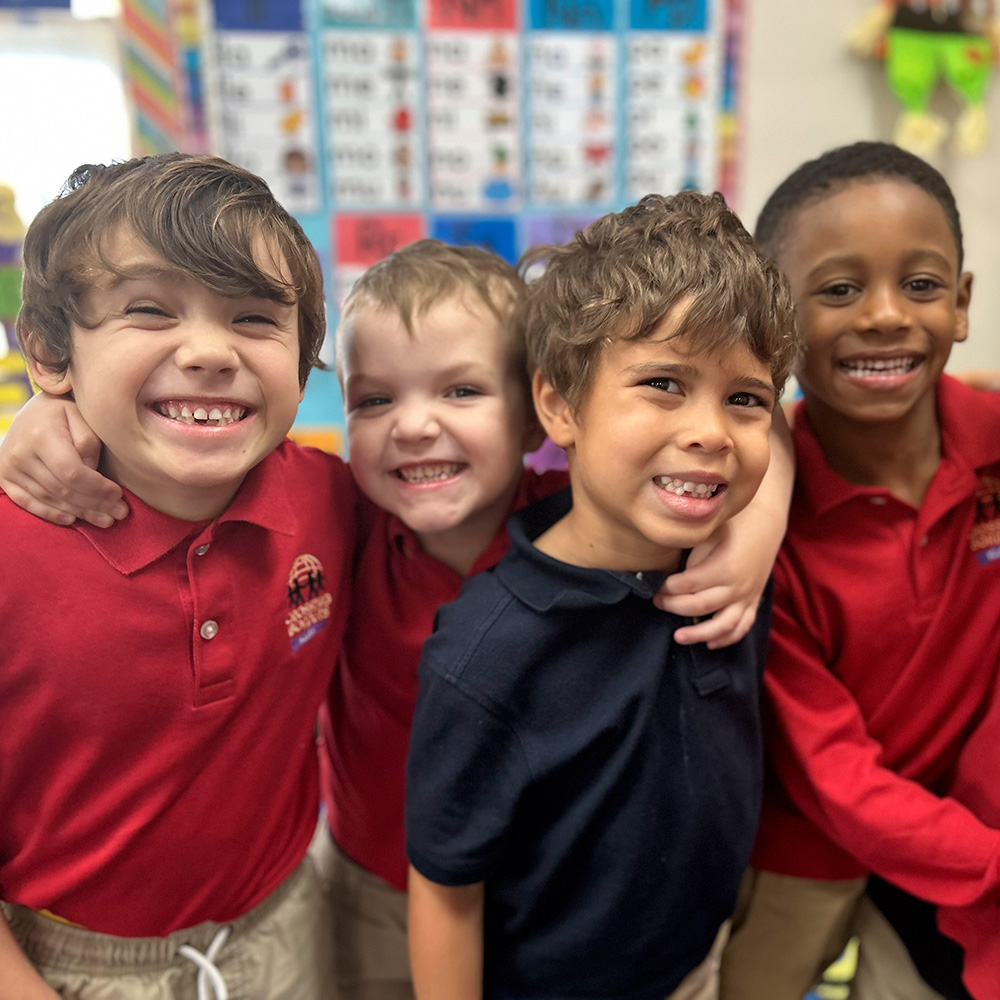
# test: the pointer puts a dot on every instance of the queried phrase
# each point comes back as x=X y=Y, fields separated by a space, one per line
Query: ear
x=553 y=412
x=963 y=299
x=45 y=376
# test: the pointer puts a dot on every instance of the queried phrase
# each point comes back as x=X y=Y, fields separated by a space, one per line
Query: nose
x=705 y=428
x=208 y=348
x=415 y=421
x=886 y=310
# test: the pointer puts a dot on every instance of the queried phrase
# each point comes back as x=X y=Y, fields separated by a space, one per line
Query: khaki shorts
x=787 y=930
x=373 y=961
x=280 y=950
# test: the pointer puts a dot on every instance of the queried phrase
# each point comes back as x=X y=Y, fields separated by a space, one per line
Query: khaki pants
x=787 y=930
x=373 y=961
x=280 y=950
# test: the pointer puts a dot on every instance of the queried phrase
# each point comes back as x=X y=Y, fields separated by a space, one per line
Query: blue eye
x=370 y=402
x=463 y=392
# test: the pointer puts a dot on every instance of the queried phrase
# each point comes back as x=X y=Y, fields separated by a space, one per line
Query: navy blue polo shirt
x=603 y=781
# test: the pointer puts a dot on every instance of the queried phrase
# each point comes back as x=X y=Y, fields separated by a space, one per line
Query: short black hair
x=819 y=178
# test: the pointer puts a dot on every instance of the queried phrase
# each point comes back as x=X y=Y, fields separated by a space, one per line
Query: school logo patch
x=984 y=539
x=308 y=601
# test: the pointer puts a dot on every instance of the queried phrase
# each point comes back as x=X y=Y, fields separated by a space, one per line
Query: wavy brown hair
x=202 y=215
x=618 y=279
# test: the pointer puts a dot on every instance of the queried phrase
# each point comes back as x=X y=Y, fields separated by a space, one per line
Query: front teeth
x=870 y=367
x=428 y=473
x=215 y=417
x=684 y=488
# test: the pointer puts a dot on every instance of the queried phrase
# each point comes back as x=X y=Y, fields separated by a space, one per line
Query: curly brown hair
x=618 y=279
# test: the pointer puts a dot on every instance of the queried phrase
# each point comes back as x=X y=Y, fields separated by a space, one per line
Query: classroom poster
x=502 y=123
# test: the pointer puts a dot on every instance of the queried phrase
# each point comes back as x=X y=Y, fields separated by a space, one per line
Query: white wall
x=62 y=103
x=804 y=93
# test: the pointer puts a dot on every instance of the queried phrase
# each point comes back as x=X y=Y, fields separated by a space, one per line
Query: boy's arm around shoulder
x=726 y=576
x=446 y=939
x=18 y=978
x=831 y=767
x=48 y=465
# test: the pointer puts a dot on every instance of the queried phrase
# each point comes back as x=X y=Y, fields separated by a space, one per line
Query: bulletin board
x=497 y=122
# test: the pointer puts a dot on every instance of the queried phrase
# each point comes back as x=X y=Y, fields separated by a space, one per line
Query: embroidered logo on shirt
x=308 y=601
x=984 y=539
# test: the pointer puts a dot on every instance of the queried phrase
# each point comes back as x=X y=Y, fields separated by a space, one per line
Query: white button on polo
x=879 y=501
x=209 y=629
x=202 y=549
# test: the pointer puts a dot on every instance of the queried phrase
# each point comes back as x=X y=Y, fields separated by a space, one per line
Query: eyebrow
x=846 y=260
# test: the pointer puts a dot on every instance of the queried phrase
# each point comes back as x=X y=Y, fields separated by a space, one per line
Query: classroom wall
x=804 y=93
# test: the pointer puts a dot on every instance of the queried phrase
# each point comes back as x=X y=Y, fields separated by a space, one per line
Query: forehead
x=131 y=256
x=871 y=218
x=689 y=354
x=459 y=324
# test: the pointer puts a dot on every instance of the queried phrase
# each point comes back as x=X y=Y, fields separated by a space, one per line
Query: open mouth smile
x=436 y=472
x=206 y=415
x=686 y=488
x=879 y=367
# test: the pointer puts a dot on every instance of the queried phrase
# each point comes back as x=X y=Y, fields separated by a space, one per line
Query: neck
x=899 y=455
x=183 y=503
x=571 y=542
x=460 y=547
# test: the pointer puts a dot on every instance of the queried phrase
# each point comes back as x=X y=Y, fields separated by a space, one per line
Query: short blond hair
x=409 y=281
x=619 y=278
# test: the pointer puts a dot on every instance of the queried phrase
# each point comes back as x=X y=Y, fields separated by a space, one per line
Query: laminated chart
x=267 y=119
x=502 y=123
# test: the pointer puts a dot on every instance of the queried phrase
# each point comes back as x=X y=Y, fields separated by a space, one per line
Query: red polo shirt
x=884 y=648
x=977 y=928
x=159 y=683
x=366 y=721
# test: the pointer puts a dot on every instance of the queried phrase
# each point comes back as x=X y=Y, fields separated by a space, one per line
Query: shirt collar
x=542 y=583
x=970 y=439
x=148 y=534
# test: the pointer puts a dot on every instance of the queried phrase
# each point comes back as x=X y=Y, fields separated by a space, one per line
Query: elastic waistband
x=47 y=942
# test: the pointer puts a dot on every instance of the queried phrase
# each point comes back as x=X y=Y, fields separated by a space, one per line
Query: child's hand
x=726 y=575
x=48 y=465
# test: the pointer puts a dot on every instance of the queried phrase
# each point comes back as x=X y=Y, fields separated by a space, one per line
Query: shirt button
x=923 y=541
x=879 y=501
x=209 y=629
x=202 y=549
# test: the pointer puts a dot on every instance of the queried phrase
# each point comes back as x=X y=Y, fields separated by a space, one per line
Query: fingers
x=698 y=604
x=724 y=628
x=79 y=492
x=38 y=507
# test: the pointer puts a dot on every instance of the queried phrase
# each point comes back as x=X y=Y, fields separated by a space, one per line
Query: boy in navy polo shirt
x=159 y=681
x=582 y=791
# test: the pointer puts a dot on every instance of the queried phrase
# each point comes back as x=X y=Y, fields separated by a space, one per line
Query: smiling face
x=437 y=422
x=665 y=446
x=879 y=299
x=188 y=389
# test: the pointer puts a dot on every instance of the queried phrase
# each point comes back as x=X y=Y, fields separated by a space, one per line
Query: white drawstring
x=207 y=972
